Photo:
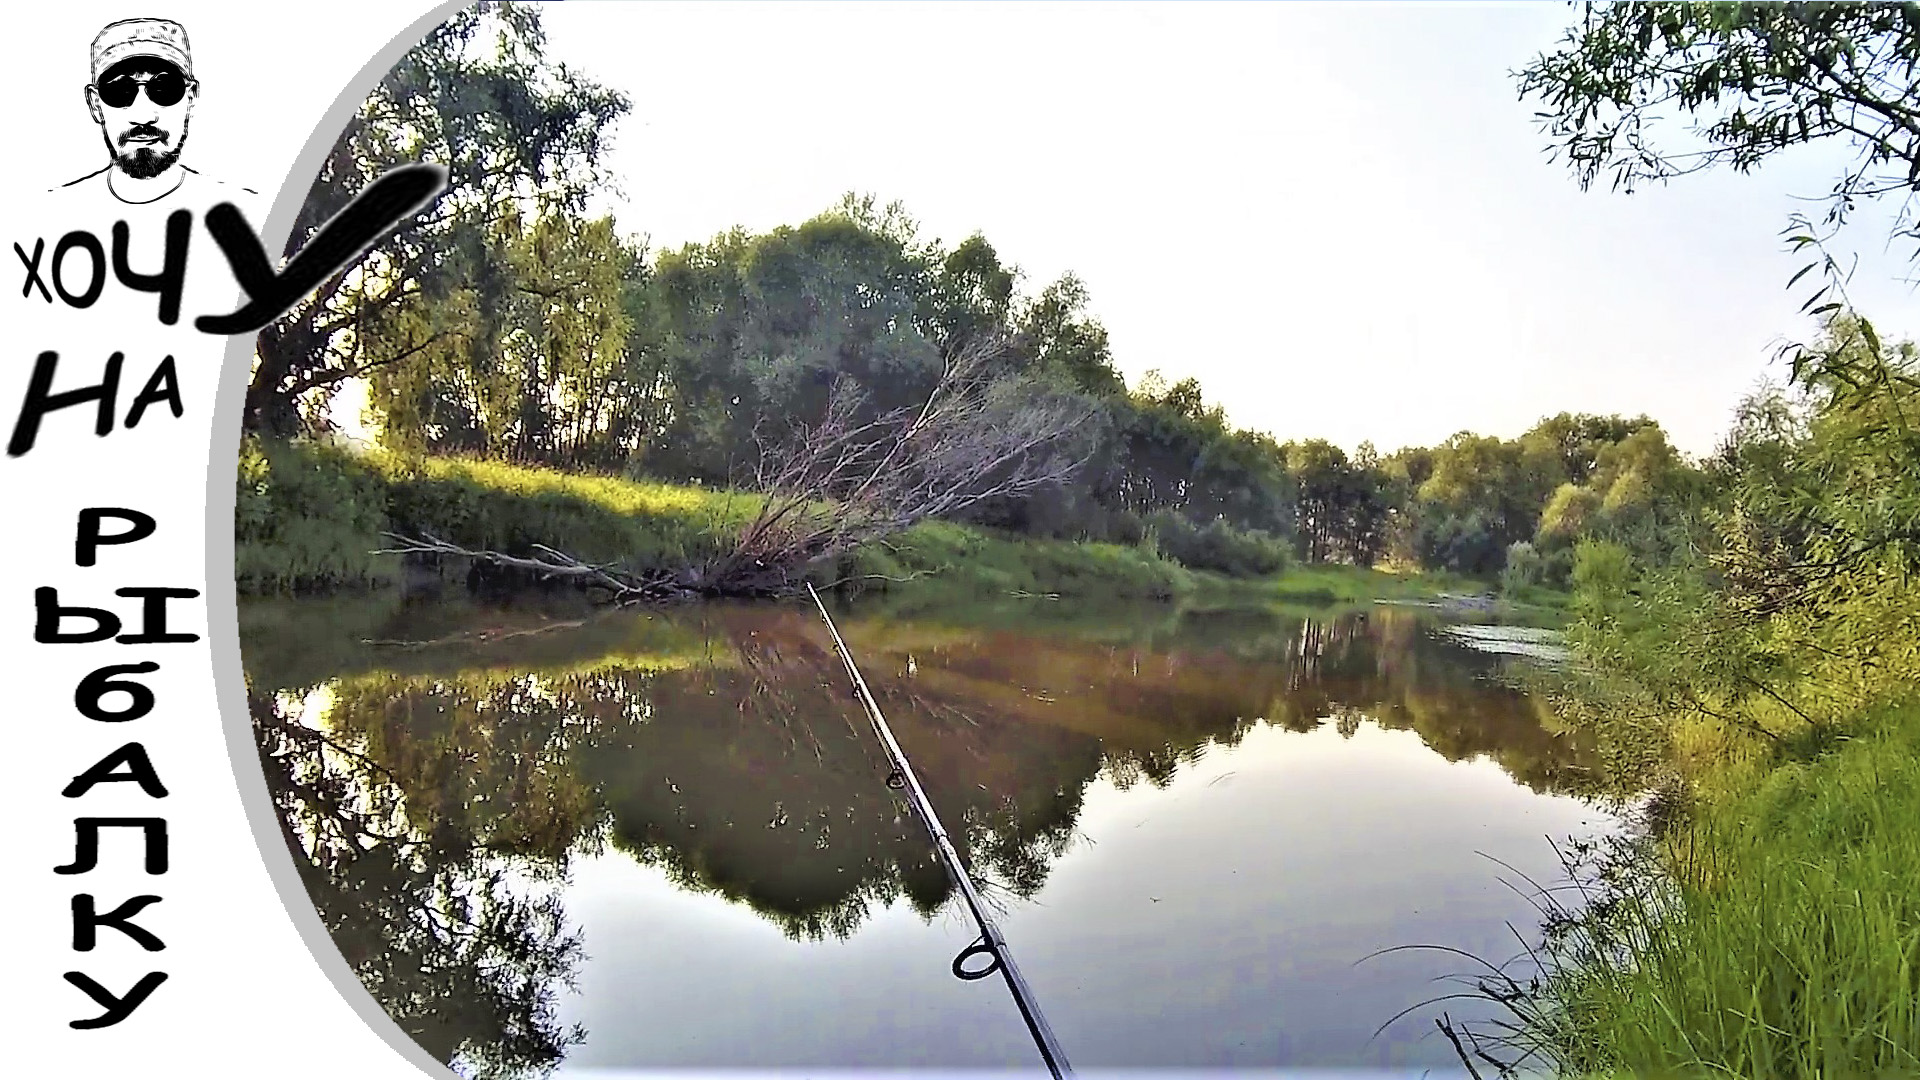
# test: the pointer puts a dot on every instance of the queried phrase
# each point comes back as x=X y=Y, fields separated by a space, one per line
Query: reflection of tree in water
x=1165 y=702
x=1386 y=666
x=410 y=874
x=1392 y=668
x=757 y=780
x=436 y=810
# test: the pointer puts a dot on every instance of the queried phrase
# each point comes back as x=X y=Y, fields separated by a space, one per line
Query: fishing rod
x=990 y=943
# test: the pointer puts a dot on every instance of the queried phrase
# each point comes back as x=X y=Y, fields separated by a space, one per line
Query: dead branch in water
x=847 y=481
x=624 y=588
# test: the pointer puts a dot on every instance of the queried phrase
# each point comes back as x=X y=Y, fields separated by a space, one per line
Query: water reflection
x=440 y=784
x=409 y=872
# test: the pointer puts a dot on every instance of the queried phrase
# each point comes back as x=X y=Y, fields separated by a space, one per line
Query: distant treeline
x=509 y=325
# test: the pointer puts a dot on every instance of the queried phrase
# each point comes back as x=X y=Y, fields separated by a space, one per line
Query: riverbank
x=309 y=519
x=1765 y=924
x=1771 y=931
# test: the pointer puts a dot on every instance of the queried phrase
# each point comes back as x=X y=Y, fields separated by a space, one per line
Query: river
x=549 y=838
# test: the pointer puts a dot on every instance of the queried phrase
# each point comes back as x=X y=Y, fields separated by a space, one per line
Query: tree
x=547 y=381
x=844 y=481
x=758 y=328
x=1579 y=438
x=1055 y=331
x=972 y=294
x=1482 y=495
x=1755 y=78
x=516 y=133
x=853 y=477
x=415 y=878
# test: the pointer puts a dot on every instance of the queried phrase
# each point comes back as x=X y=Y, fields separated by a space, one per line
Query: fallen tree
x=851 y=478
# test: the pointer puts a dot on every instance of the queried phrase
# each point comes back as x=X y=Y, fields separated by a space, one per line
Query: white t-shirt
x=91 y=204
x=193 y=191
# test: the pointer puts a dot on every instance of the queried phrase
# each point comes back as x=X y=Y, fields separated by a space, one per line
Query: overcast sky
x=1340 y=218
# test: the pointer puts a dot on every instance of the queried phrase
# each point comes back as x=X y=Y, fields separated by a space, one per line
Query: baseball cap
x=161 y=38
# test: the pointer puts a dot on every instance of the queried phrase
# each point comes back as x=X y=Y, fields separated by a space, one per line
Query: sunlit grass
x=1774 y=932
x=310 y=518
x=1339 y=585
x=958 y=564
x=615 y=495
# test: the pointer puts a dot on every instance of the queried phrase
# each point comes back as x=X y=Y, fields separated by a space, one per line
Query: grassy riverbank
x=1774 y=932
x=1768 y=926
x=308 y=519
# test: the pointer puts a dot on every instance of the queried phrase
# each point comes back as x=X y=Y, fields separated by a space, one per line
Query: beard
x=143 y=161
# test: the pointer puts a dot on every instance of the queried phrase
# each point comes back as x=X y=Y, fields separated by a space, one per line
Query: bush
x=1525 y=569
x=1602 y=571
x=1217 y=546
x=308 y=517
x=1463 y=545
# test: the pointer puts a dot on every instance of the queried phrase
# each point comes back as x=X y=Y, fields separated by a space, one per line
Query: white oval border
x=223 y=629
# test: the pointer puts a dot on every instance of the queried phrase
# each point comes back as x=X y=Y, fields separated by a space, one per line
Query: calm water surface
x=551 y=839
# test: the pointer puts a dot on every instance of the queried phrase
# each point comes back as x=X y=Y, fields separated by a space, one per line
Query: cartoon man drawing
x=142 y=95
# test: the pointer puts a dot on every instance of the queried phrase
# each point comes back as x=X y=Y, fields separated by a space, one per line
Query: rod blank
x=990 y=943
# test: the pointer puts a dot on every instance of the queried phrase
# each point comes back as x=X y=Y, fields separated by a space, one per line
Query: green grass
x=1774 y=932
x=1330 y=586
x=488 y=505
x=309 y=517
x=940 y=560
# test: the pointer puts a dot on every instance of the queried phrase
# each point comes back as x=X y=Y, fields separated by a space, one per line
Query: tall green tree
x=548 y=379
x=517 y=133
x=1056 y=331
x=758 y=329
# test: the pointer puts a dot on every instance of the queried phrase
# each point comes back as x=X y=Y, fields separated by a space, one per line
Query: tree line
x=509 y=324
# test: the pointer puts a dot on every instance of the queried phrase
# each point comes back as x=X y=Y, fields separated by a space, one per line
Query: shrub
x=1525 y=568
x=308 y=516
x=1217 y=546
x=1602 y=570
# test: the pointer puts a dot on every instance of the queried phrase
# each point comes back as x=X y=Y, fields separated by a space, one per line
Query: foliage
x=1342 y=503
x=1525 y=568
x=1767 y=933
x=315 y=499
x=558 y=379
x=950 y=561
x=506 y=326
x=412 y=880
x=488 y=505
x=1755 y=78
x=846 y=481
x=1763 y=669
x=1748 y=633
x=1218 y=546
x=1796 y=609
x=514 y=130
x=307 y=518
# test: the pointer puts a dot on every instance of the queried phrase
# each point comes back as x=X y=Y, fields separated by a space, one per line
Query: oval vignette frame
x=223 y=629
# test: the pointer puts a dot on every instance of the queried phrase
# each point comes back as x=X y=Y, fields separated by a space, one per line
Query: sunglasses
x=163 y=88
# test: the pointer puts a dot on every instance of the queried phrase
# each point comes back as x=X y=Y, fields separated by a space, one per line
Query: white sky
x=1339 y=218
